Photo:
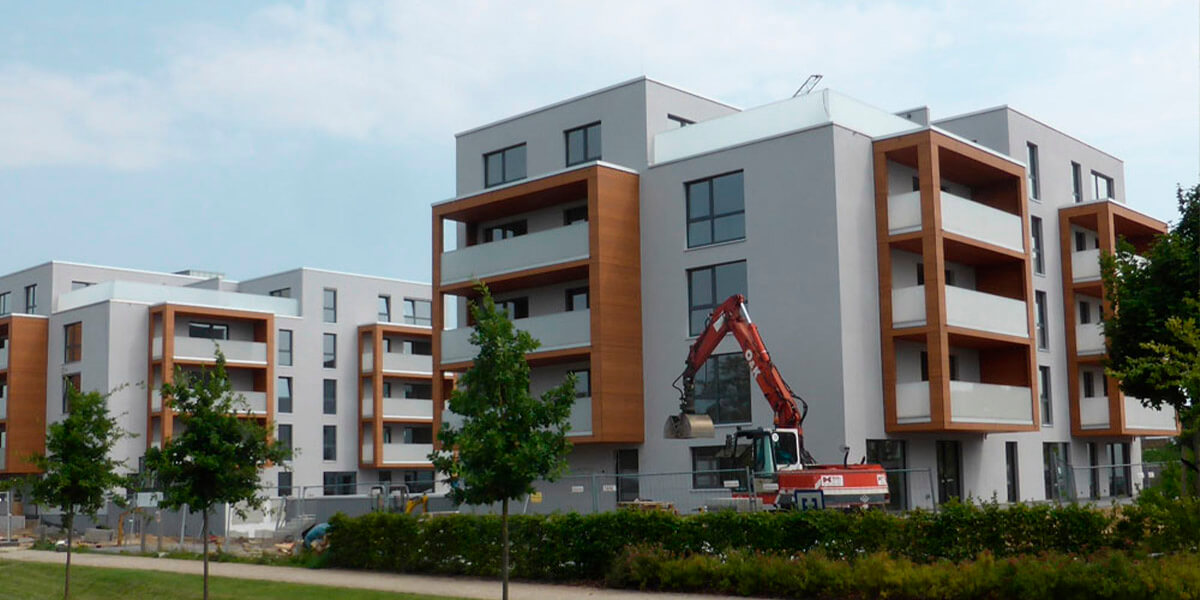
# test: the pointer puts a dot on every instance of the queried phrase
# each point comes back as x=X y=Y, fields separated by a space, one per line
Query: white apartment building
x=929 y=287
x=337 y=365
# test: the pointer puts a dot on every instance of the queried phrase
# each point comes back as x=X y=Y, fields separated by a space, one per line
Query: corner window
x=329 y=395
x=583 y=144
x=329 y=305
x=503 y=166
x=710 y=286
x=1034 y=179
x=285 y=348
x=283 y=394
x=329 y=350
x=1039 y=260
x=723 y=388
x=73 y=342
x=716 y=210
x=385 y=309
x=418 y=312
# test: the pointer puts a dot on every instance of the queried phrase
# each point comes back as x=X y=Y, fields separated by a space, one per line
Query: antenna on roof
x=808 y=86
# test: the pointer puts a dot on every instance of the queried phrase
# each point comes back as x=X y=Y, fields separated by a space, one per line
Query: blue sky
x=251 y=138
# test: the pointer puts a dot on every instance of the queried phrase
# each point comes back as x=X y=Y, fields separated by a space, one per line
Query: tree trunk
x=504 y=543
x=69 y=521
x=204 y=532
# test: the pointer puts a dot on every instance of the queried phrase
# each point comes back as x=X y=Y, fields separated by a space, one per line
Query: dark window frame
x=329 y=396
x=504 y=178
x=1039 y=256
x=4 y=302
x=210 y=328
x=716 y=300
x=285 y=439
x=283 y=483
x=1045 y=395
x=574 y=215
x=586 y=131
x=73 y=342
x=385 y=315
x=281 y=293
x=738 y=406
x=410 y=312
x=283 y=403
x=586 y=392
x=1077 y=182
x=520 y=307
x=329 y=305
x=339 y=483
x=706 y=480
x=571 y=293
x=1035 y=184
x=1110 y=183
x=328 y=357
x=31 y=299
x=1041 y=320
x=329 y=442
x=711 y=216
x=285 y=351
x=1012 y=471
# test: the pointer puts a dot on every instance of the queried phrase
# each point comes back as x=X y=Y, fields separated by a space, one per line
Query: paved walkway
x=457 y=587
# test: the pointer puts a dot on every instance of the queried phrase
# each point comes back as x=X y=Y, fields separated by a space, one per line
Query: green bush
x=584 y=547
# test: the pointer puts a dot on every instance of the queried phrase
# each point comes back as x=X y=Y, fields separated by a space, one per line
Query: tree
x=508 y=438
x=217 y=456
x=78 y=475
x=1153 y=333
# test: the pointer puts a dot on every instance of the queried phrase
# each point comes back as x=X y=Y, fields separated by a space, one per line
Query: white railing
x=1085 y=265
x=1141 y=417
x=368 y=404
x=581 y=417
x=912 y=402
x=1093 y=412
x=408 y=408
x=556 y=332
x=3 y=357
x=204 y=349
x=959 y=215
x=553 y=246
x=257 y=401
x=964 y=308
x=396 y=362
x=407 y=453
x=1089 y=338
x=972 y=402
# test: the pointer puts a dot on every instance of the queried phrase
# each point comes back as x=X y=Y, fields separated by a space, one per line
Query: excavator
x=785 y=474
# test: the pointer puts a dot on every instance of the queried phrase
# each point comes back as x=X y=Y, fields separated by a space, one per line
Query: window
x=72 y=342
x=1034 y=183
x=329 y=305
x=418 y=347
x=417 y=434
x=1089 y=384
x=1119 y=473
x=418 y=391
x=418 y=481
x=583 y=383
x=574 y=215
x=517 y=308
x=706 y=467
x=31 y=299
x=418 y=312
x=716 y=210
x=1039 y=261
x=281 y=293
x=1012 y=471
x=387 y=434
x=577 y=299
x=4 y=303
x=1085 y=312
x=1056 y=467
x=1044 y=393
x=340 y=483
x=891 y=455
x=921 y=275
x=209 y=331
x=916 y=183
x=1093 y=473
x=385 y=477
x=329 y=350
x=723 y=388
x=284 y=437
x=924 y=366
x=79 y=285
x=1103 y=385
x=330 y=397
x=682 y=122
x=284 y=483
x=503 y=166
x=283 y=394
x=953 y=367
x=949 y=470
x=1080 y=241
x=1043 y=331
x=1103 y=186
x=708 y=287
x=70 y=382
x=1076 y=182
x=505 y=231
x=329 y=442
x=385 y=309
x=285 y=347
x=583 y=144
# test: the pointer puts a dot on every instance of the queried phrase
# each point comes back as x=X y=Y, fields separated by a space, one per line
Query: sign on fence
x=810 y=499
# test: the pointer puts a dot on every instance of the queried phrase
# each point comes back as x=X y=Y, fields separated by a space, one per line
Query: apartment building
x=903 y=272
x=337 y=365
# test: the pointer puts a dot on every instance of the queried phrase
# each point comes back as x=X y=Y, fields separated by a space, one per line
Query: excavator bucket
x=686 y=426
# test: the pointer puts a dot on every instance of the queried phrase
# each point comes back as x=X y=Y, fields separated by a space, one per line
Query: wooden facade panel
x=28 y=338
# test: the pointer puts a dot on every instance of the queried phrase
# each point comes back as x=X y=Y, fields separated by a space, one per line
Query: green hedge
x=1057 y=576
x=579 y=547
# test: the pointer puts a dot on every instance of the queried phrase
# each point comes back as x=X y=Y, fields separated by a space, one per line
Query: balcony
x=416 y=409
x=4 y=357
x=256 y=401
x=970 y=402
x=539 y=249
x=1141 y=417
x=959 y=216
x=557 y=331
x=3 y=404
x=406 y=453
x=1093 y=413
x=203 y=350
x=1085 y=265
x=1089 y=338
x=395 y=362
x=581 y=417
x=964 y=308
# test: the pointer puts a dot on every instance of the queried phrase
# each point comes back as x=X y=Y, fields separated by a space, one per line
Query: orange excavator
x=785 y=474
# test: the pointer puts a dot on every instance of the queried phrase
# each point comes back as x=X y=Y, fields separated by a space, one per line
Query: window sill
x=715 y=245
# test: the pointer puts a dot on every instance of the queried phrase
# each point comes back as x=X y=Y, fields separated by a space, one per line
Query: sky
x=250 y=138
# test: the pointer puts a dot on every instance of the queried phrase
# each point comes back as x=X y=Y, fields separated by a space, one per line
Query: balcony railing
x=257 y=401
x=408 y=408
x=1141 y=417
x=3 y=404
x=407 y=453
x=556 y=332
x=581 y=417
x=4 y=357
x=912 y=402
x=1085 y=265
x=543 y=248
x=1093 y=412
x=3 y=453
x=204 y=349
x=396 y=362
x=959 y=215
x=972 y=402
x=1089 y=338
x=964 y=308
x=155 y=401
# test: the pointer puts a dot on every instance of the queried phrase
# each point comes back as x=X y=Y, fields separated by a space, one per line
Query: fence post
x=595 y=496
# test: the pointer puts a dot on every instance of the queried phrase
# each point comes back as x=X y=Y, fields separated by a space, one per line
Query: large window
x=340 y=483
x=4 y=310
x=723 y=388
x=417 y=347
x=418 y=391
x=949 y=470
x=329 y=442
x=285 y=347
x=583 y=144
x=709 y=287
x=1044 y=392
x=73 y=342
x=1012 y=471
x=1102 y=185
x=284 y=483
x=892 y=456
x=384 y=309
x=1035 y=187
x=284 y=437
x=1043 y=330
x=418 y=312
x=329 y=305
x=705 y=466
x=209 y=331
x=1119 y=475
x=283 y=394
x=716 y=210
x=417 y=434
x=503 y=166
x=31 y=299
x=1039 y=260
x=1076 y=182
x=1056 y=469
x=329 y=350
x=329 y=394
x=505 y=231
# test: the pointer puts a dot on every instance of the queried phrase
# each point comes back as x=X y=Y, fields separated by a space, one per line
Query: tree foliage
x=216 y=455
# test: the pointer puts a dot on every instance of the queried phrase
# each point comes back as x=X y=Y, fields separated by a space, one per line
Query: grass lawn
x=37 y=581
